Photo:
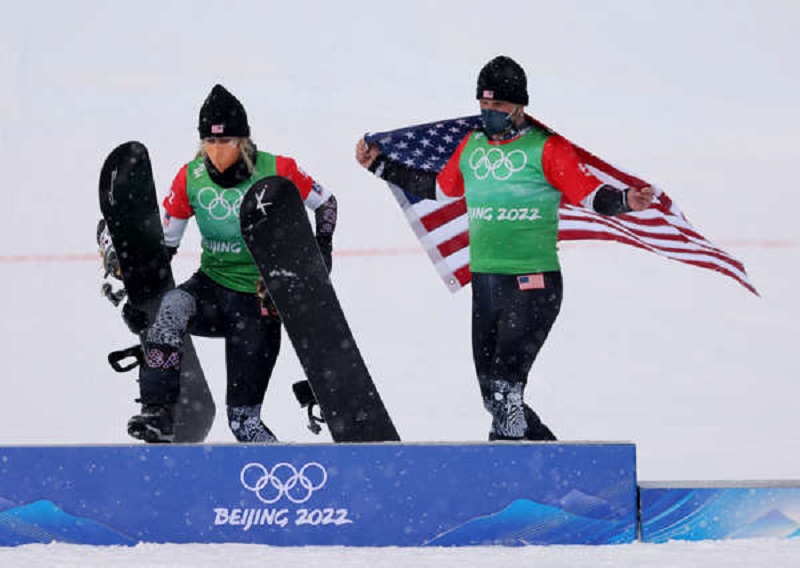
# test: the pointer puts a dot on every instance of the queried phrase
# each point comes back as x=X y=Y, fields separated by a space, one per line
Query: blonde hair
x=246 y=152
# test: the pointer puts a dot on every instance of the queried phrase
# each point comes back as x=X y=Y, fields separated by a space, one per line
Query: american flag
x=531 y=282
x=441 y=226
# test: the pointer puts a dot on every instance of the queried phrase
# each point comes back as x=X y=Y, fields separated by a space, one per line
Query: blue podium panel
x=719 y=510
x=344 y=494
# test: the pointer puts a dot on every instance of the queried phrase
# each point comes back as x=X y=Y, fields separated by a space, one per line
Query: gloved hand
x=268 y=308
x=107 y=253
x=134 y=318
x=325 y=242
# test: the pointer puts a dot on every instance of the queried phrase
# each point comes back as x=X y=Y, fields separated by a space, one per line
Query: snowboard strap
x=115 y=297
x=115 y=358
x=305 y=396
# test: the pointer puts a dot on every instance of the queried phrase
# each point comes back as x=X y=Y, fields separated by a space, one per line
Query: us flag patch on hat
x=488 y=94
x=217 y=129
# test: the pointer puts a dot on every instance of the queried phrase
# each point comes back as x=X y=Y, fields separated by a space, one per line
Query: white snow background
x=700 y=97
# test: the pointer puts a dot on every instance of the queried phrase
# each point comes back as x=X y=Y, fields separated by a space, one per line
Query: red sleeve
x=287 y=167
x=176 y=204
x=450 y=179
x=565 y=172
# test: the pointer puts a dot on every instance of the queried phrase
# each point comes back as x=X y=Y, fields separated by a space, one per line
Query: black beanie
x=222 y=115
x=502 y=79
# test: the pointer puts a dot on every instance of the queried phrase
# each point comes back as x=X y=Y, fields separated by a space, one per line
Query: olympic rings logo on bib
x=496 y=163
x=220 y=204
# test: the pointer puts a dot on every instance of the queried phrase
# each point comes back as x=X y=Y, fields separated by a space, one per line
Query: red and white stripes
x=441 y=227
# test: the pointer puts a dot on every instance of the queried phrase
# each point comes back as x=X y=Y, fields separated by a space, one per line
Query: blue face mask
x=495 y=121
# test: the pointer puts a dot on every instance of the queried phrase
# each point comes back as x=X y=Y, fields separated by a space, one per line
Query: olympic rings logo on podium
x=283 y=480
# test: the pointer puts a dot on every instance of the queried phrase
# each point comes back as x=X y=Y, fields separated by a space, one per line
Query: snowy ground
x=700 y=97
x=738 y=554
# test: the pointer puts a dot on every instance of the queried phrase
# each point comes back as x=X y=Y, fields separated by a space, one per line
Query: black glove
x=325 y=242
x=107 y=252
x=134 y=318
x=268 y=308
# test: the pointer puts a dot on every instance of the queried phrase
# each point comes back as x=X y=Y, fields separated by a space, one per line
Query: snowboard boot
x=153 y=425
x=536 y=429
x=246 y=425
x=504 y=402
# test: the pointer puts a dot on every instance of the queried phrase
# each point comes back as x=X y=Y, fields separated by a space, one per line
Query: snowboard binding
x=113 y=296
x=305 y=396
x=116 y=358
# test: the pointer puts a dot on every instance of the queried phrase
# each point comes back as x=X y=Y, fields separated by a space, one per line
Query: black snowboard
x=277 y=231
x=129 y=205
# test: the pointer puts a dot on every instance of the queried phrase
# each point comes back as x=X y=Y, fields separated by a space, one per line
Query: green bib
x=511 y=207
x=225 y=258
